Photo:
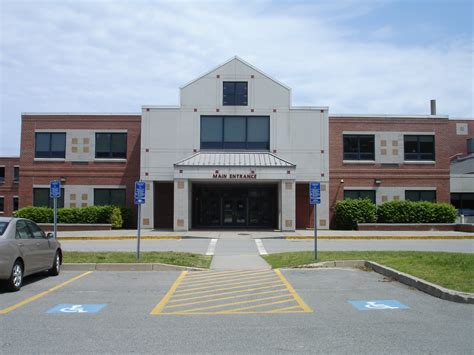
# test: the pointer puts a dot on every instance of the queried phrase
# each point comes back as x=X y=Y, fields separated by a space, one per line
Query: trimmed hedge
x=353 y=211
x=416 y=212
x=87 y=215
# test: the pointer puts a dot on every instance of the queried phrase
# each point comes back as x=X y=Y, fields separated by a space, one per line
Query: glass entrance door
x=234 y=211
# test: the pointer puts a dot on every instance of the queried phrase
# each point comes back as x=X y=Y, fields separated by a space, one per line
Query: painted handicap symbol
x=378 y=305
x=77 y=308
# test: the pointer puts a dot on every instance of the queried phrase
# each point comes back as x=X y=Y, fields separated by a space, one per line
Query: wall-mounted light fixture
x=62 y=179
x=342 y=181
x=377 y=181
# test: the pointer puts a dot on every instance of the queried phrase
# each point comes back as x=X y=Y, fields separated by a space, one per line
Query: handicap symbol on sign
x=77 y=308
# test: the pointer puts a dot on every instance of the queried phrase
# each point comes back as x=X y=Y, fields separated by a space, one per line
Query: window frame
x=17 y=199
x=374 y=192
x=2 y=178
x=50 y=200
x=417 y=156
x=109 y=190
x=50 y=154
x=419 y=193
x=234 y=96
x=2 y=204
x=229 y=145
x=16 y=177
x=110 y=151
x=357 y=157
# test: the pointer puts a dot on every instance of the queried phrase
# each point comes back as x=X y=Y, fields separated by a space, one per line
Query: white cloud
x=114 y=56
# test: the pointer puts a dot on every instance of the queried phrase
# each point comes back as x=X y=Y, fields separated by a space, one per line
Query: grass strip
x=165 y=257
x=451 y=270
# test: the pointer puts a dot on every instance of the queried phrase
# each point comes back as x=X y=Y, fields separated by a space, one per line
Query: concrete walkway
x=237 y=252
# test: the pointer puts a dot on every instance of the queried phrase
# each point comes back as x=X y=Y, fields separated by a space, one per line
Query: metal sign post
x=315 y=200
x=54 y=193
x=139 y=200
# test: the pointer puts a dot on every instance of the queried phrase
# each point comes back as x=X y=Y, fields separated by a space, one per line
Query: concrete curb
x=381 y=238
x=127 y=267
x=407 y=279
x=120 y=238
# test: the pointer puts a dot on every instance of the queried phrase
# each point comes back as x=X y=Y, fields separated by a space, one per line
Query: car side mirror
x=50 y=235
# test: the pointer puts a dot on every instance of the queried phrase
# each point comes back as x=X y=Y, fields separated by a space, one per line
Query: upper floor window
x=50 y=145
x=359 y=147
x=111 y=145
x=112 y=197
x=419 y=147
x=235 y=93
x=470 y=146
x=41 y=198
x=420 y=195
x=16 y=174
x=15 y=203
x=235 y=132
x=2 y=174
x=354 y=194
x=2 y=204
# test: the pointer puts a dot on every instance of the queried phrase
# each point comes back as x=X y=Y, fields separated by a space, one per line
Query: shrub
x=37 y=214
x=116 y=218
x=127 y=217
x=68 y=215
x=416 y=212
x=348 y=213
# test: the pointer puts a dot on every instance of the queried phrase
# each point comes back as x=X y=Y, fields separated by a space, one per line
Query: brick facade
x=8 y=187
x=86 y=172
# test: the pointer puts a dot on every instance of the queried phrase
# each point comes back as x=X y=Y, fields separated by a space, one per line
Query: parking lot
x=330 y=311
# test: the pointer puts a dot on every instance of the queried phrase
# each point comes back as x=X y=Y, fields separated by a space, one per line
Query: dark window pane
x=58 y=145
x=359 y=147
x=241 y=94
x=411 y=195
x=258 y=129
x=16 y=173
x=15 y=203
x=101 y=197
x=102 y=145
x=2 y=204
x=419 y=147
x=235 y=93
x=211 y=131
x=234 y=132
x=113 y=197
x=50 y=145
x=420 y=195
x=111 y=145
x=41 y=198
x=119 y=145
x=2 y=173
x=42 y=145
x=117 y=197
x=354 y=194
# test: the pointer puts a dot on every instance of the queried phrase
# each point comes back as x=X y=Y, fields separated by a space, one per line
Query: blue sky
x=361 y=57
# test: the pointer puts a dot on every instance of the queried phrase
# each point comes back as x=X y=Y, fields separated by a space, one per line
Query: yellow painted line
x=226 y=277
x=240 y=302
x=285 y=309
x=224 y=298
x=177 y=299
x=159 y=307
x=220 y=282
x=228 y=288
x=185 y=289
x=290 y=288
x=212 y=274
x=120 y=238
x=384 y=238
x=39 y=295
x=232 y=311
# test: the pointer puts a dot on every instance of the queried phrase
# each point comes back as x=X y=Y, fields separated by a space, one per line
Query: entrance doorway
x=234 y=206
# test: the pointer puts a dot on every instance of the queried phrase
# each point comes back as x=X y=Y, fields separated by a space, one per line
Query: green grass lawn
x=450 y=270
x=167 y=257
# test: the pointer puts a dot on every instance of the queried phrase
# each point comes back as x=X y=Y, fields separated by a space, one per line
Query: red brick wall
x=94 y=172
x=8 y=188
x=405 y=175
x=457 y=143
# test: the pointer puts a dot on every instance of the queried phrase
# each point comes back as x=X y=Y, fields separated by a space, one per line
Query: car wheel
x=16 y=277
x=54 y=271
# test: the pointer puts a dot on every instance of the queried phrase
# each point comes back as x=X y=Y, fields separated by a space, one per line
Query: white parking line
x=211 y=247
x=260 y=247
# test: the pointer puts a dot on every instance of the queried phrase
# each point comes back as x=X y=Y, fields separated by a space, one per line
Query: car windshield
x=3 y=227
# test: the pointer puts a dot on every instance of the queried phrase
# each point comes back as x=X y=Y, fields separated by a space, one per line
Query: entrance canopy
x=238 y=166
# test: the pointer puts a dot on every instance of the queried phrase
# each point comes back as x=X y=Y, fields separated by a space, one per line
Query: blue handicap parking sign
x=55 y=189
x=139 y=192
x=378 y=305
x=314 y=193
x=77 y=308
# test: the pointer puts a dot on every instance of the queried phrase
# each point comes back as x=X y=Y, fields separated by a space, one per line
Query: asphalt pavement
x=395 y=318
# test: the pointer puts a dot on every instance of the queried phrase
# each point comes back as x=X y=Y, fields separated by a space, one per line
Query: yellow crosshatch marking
x=231 y=292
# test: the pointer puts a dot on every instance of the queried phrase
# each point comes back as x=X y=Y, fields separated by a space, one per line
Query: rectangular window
x=111 y=145
x=112 y=197
x=420 y=195
x=470 y=146
x=354 y=194
x=50 y=145
x=41 y=198
x=235 y=93
x=16 y=174
x=2 y=174
x=464 y=202
x=419 y=147
x=235 y=132
x=2 y=204
x=359 y=147
x=15 y=203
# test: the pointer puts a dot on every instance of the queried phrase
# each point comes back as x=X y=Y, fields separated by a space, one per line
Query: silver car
x=24 y=250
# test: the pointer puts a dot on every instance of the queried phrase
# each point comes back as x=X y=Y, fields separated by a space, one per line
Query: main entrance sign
x=235 y=176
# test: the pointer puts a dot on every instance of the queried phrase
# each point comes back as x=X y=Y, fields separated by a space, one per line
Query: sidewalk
x=244 y=234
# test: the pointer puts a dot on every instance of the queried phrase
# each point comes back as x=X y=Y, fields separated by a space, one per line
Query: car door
x=27 y=246
x=44 y=250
